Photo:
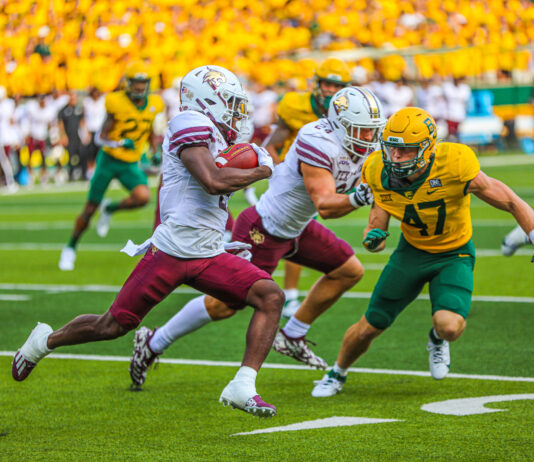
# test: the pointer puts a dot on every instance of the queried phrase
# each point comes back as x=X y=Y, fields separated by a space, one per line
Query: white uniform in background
x=171 y=98
x=40 y=119
x=397 y=97
x=457 y=97
x=94 y=113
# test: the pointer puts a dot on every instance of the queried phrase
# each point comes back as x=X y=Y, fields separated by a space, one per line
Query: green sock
x=112 y=207
x=72 y=242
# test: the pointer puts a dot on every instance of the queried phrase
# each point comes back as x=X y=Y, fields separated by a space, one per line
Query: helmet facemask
x=409 y=127
x=353 y=142
x=355 y=114
x=404 y=168
x=137 y=95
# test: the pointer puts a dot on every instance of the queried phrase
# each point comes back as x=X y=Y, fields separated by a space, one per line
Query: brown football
x=240 y=155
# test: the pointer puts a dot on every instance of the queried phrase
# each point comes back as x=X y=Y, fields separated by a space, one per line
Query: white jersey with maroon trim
x=192 y=221
x=286 y=208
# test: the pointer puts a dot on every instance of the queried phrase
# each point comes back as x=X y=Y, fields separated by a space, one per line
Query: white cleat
x=143 y=357
x=33 y=350
x=290 y=308
x=102 y=226
x=330 y=385
x=298 y=349
x=513 y=240
x=439 y=359
x=67 y=259
x=240 y=396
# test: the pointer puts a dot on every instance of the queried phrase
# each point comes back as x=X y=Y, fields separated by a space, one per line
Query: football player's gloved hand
x=361 y=196
x=239 y=249
x=127 y=143
x=374 y=238
x=264 y=158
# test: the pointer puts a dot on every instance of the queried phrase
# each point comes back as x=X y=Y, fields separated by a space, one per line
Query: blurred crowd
x=58 y=59
x=81 y=44
x=51 y=138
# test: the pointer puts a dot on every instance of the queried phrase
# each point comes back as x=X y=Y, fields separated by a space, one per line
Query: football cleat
x=513 y=240
x=439 y=359
x=33 y=350
x=239 y=396
x=298 y=349
x=290 y=308
x=102 y=226
x=329 y=385
x=143 y=357
x=67 y=259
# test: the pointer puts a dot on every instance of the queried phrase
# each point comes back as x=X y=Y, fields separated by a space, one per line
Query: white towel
x=132 y=250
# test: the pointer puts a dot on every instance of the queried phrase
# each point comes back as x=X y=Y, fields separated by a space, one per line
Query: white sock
x=247 y=376
x=44 y=346
x=338 y=370
x=295 y=328
x=291 y=294
x=517 y=237
x=190 y=318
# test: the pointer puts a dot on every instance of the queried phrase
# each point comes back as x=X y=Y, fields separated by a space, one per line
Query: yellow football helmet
x=411 y=127
x=333 y=71
x=136 y=72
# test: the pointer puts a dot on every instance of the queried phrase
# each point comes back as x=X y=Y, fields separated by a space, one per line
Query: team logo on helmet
x=341 y=104
x=214 y=79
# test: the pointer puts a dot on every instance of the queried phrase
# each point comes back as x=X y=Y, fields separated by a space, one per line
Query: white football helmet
x=352 y=109
x=217 y=93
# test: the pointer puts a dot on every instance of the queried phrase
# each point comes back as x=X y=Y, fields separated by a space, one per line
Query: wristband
x=531 y=236
x=355 y=204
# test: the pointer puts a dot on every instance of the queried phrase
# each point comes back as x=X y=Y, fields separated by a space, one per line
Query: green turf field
x=79 y=409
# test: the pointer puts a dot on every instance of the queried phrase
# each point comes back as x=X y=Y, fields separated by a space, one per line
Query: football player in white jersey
x=187 y=247
x=322 y=165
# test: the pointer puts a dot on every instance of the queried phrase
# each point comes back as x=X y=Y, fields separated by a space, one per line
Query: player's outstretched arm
x=500 y=196
x=321 y=188
x=375 y=234
x=199 y=161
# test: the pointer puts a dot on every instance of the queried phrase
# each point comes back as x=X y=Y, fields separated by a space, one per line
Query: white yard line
x=38 y=190
x=52 y=246
x=60 y=288
x=504 y=160
x=361 y=370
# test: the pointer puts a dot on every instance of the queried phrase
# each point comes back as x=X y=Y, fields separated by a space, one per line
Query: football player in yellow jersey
x=124 y=135
x=426 y=186
x=295 y=110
